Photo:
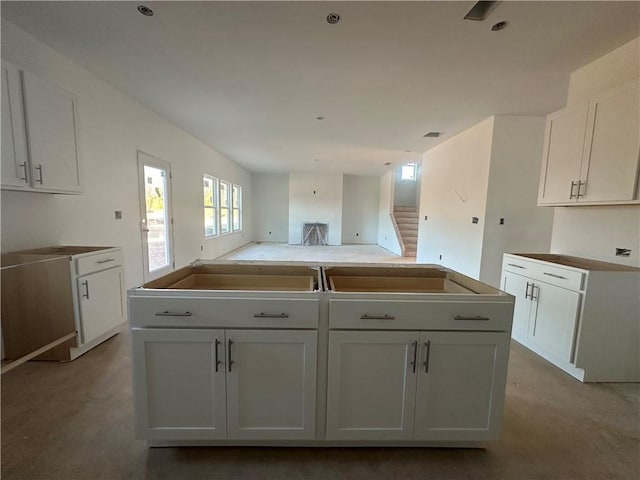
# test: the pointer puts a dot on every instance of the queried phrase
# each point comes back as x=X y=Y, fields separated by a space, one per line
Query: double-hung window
x=236 y=208
x=210 y=206
x=225 y=207
x=409 y=172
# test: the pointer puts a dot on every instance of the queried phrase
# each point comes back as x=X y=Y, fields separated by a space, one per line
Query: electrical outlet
x=623 y=252
x=475 y=219
x=440 y=257
x=502 y=221
x=118 y=214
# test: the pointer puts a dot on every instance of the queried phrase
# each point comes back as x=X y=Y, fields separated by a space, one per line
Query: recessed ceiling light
x=432 y=134
x=407 y=151
x=144 y=10
x=499 y=26
x=316 y=159
x=387 y=163
x=333 y=18
x=319 y=118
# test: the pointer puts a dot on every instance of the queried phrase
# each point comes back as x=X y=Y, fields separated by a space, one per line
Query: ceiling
x=251 y=78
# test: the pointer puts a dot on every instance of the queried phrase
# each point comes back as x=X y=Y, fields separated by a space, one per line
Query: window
x=225 y=207
x=210 y=206
x=408 y=172
x=236 y=208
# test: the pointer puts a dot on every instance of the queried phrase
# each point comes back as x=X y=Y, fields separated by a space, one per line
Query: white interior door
x=156 y=215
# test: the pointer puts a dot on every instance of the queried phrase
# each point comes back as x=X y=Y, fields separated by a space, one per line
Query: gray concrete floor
x=74 y=421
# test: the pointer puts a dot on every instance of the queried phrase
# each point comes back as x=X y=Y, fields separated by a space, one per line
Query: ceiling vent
x=333 y=18
x=432 y=134
x=480 y=11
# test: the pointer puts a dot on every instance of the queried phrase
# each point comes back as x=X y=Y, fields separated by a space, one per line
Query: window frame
x=227 y=208
x=214 y=207
x=235 y=207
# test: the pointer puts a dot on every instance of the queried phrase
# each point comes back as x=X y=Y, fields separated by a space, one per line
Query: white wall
x=270 y=193
x=112 y=128
x=387 y=237
x=405 y=192
x=455 y=175
x=595 y=232
x=512 y=194
x=315 y=197
x=360 y=209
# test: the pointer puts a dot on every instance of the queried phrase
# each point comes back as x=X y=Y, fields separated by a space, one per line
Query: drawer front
x=233 y=312
x=99 y=261
x=545 y=272
x=419 y=315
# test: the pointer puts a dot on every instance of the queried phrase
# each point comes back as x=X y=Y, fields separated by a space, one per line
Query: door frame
x=147 y=159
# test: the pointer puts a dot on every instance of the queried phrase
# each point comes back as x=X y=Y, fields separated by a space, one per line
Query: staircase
x=406 y=220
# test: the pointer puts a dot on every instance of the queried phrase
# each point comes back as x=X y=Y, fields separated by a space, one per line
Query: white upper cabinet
x=40 y=144
x=591 y=151
x=14 y=141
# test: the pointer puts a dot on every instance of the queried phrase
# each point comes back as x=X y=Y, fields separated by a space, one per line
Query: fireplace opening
x=315 y=234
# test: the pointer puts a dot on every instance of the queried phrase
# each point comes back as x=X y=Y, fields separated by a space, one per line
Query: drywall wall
x=516 y=150
x=595 y=232
x=113 y=127
x=270 y=194
x=360 y=209
x=387 y=237
x=454 y=190
x=405 y=192
x=315 y=198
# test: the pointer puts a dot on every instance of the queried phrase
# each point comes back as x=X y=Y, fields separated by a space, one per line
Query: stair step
x=407 y=220
x=405 y=214
x=405 y=209
x=408 y=227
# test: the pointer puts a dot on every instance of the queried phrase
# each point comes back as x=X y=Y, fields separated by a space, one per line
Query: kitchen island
x=300 y=354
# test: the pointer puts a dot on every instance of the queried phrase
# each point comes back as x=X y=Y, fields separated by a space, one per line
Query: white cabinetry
x=40 y=144
x=581 y=315
x=415 y=385
x=224 y=384
x=591 y=151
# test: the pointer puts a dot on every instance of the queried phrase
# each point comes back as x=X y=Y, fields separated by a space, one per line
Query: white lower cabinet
x=101 y=302
x=412 y=385
x=199 y=384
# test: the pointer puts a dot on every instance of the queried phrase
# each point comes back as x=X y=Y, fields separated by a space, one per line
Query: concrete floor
x=75 y=421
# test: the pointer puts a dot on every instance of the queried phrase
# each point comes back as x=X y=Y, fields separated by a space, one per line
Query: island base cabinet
x=440 y=386
x=458 y=377
x=215 y=384
x=179 y=388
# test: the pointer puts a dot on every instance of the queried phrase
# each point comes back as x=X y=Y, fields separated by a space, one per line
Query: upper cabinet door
x=14 y=141
x=52 y=133
x=612 y=141
x=564 y=141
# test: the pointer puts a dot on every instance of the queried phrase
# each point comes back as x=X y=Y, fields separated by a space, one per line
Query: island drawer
x=419 y=315
x=236 y=312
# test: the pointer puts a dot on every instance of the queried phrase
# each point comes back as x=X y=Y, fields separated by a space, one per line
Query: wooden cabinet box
x=581 y=315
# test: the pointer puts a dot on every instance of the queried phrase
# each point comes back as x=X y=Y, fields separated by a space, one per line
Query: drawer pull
x=477 y=317
x=167 y=313
x=377 y=317
x=427 y=355
x=517 y=266
x=271 y=315
x=554 y=275
x=107 y=260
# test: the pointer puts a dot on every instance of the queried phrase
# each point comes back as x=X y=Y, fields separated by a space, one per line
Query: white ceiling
x=250 y=78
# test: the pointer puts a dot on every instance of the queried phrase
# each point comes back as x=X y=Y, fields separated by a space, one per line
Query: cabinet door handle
x=229 y=353
x=217 y=359
x=167 y=313
x=477 y=317
x=526 y=290
x=24 y=166
x=414 y=362
x=517 y=266
x=366 y=316
x=554 y=275
x=86 y=289
x=580 y=185
x=39 y=168
x=271 y=315
x=107 y=260
x=533 y=287
x=571 y=194
x=427 y=355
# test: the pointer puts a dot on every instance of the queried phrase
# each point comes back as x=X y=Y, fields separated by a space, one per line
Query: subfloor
x=74 y=421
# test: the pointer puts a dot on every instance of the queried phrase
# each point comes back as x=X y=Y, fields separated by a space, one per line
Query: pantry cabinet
x=40 y=134
x=581 y=315
x=196 y=384
x=591 y=151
